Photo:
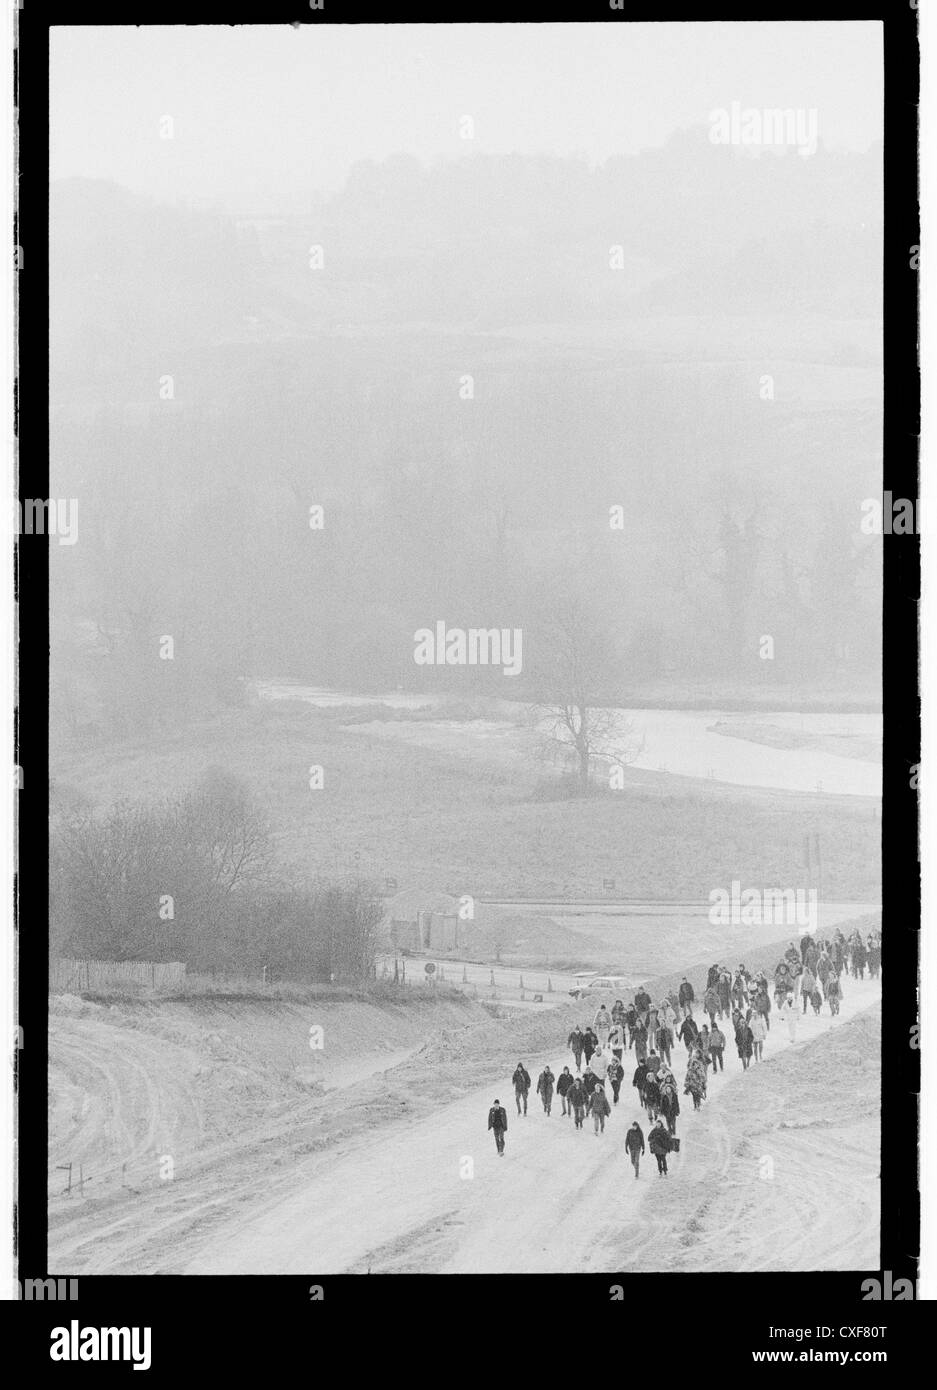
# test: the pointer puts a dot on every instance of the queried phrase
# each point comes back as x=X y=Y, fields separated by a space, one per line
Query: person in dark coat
x=562 y=1089
x=498 y=1121
x=640 y=1042
x=740 y=989
x=660 y=1143
x=634 y=1143
x=590 y=1044
x=589 y=1083
x=642 y=1002
x=631 y=1022
x=724 y=987
x=744 y=1041
x=858 y=956
x=575 y=1043
x=651 y=1095
x=689 y=1032
x=686 y=996
x=521 y=1079
x=576 y=1100
x=838 y=951
x=616 y=1075
x=545 y=1083
x=638 y=1080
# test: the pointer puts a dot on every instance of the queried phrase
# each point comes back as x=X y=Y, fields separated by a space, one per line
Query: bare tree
x=575 y=670
x=227 y=830
x=112 y=872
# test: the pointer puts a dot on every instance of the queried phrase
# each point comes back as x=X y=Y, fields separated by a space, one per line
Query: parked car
x=601 y=984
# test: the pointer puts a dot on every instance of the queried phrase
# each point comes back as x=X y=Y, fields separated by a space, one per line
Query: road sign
x=430 y=968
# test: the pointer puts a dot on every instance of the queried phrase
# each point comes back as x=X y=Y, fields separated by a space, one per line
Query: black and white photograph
x=479 y=532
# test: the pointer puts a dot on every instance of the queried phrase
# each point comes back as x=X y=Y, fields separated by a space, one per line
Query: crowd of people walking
x=810 y=974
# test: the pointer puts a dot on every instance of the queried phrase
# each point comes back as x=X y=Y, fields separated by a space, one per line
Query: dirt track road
x=433 y=1196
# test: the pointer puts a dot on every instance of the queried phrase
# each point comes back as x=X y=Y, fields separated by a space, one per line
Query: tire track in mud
x=212 y=1180
x=125 y=1107
x=551 y=1206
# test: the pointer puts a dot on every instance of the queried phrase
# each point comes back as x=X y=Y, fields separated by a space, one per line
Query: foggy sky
x=266 y=116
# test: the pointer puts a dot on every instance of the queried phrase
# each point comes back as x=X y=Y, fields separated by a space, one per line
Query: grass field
x=434 y=821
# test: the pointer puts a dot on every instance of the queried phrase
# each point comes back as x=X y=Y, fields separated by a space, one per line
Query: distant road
x=615 y=906
x=830 y=912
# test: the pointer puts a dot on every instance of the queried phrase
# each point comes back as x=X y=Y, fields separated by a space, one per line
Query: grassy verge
x=436 y=821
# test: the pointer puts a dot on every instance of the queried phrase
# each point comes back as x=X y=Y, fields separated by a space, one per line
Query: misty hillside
x=344 y=386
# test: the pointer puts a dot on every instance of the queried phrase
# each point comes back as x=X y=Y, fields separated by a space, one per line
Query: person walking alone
x=545 y=1083
x=498 y=1121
